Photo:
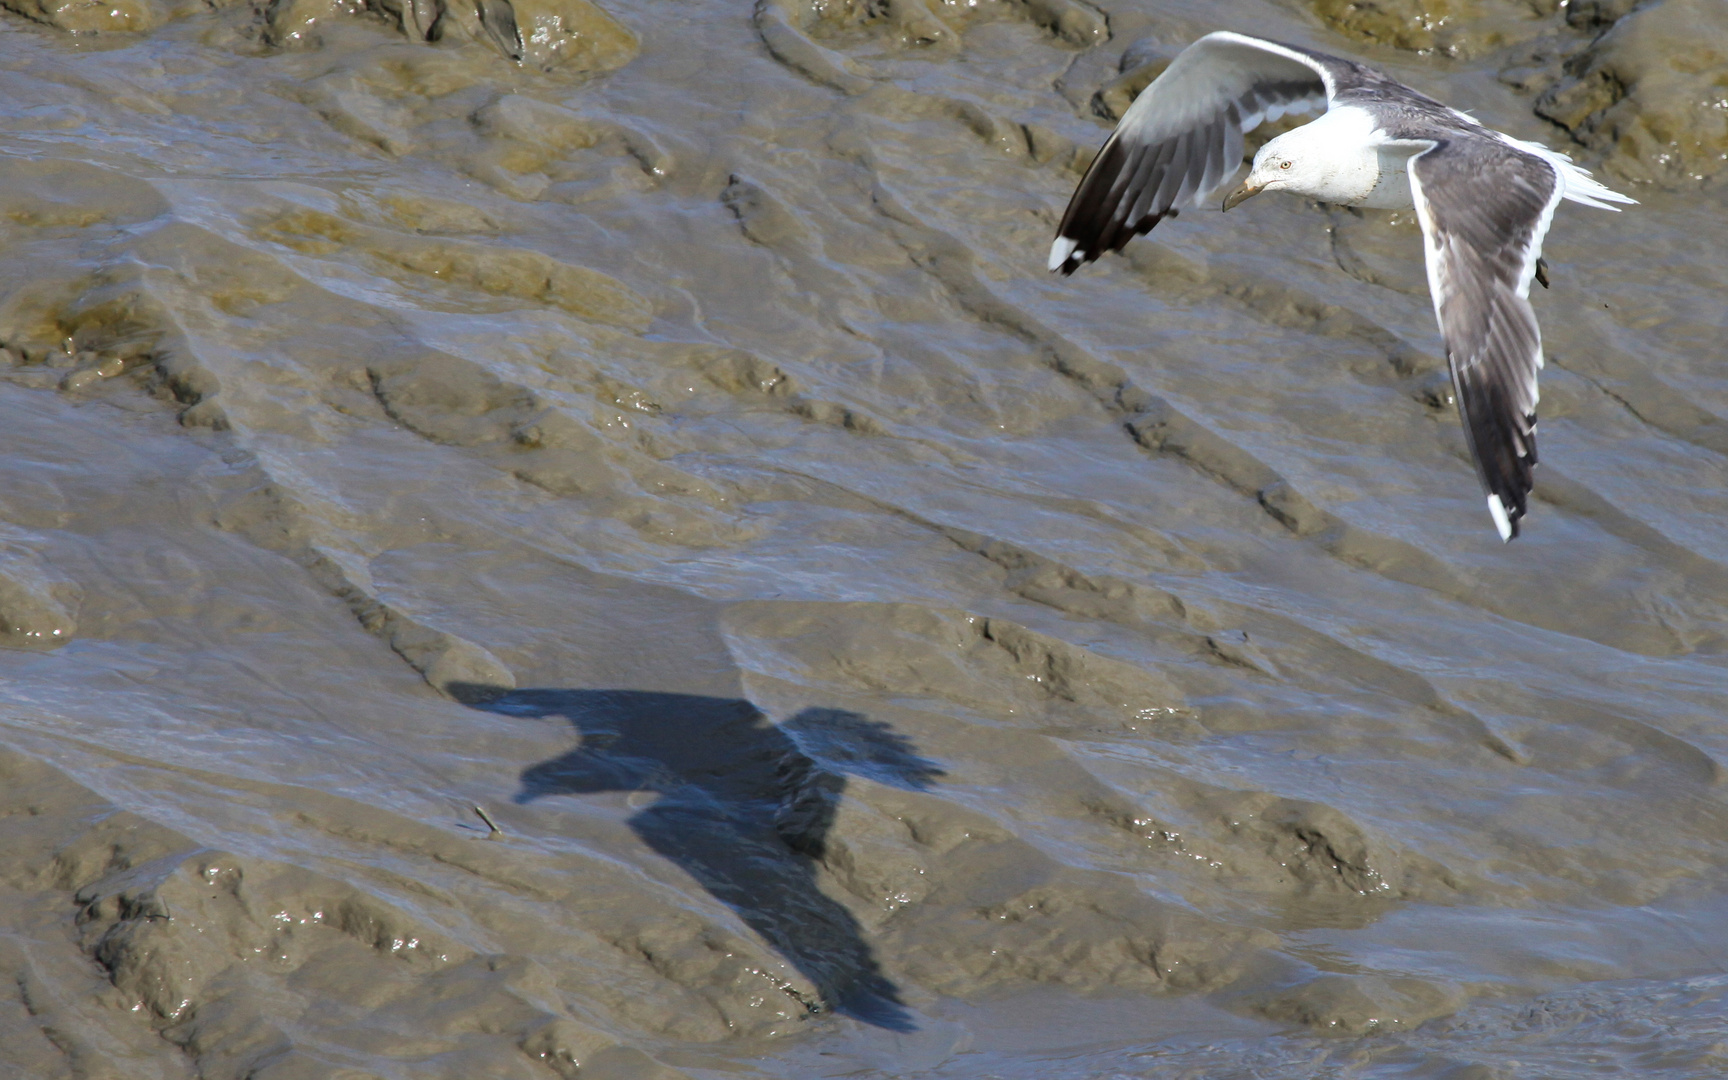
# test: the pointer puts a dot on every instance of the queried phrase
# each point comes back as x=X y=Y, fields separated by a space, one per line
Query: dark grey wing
x=1182 y=137
x=1485 y=207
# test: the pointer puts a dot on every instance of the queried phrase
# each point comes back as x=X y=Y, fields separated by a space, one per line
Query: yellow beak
x=1240 y=195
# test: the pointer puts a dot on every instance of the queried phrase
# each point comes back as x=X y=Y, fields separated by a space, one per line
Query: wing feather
x=1216 y=143
x=1169 y=187
x=1182 y=137
x=1485 y=206
x=1139 y=195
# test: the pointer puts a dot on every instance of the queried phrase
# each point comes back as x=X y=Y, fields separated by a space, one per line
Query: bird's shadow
x=745 y=807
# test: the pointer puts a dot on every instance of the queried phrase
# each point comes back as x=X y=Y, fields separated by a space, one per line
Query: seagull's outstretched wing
x=1484 y=207
x=1182 y=137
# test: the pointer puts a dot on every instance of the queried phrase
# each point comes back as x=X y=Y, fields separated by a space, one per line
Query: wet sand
x=623 y=564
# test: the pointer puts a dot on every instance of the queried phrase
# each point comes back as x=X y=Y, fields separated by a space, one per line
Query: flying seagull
x=1484 y=200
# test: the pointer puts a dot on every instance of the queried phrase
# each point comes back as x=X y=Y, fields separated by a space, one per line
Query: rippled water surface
x=874 y=656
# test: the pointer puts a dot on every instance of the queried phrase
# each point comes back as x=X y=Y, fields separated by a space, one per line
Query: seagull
x=1484 y=200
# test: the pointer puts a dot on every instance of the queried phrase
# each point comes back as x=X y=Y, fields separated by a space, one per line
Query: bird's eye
x=1283 y=164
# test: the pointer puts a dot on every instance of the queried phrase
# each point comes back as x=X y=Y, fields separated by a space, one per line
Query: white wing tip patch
x=1501 y=521
x=1060 y=250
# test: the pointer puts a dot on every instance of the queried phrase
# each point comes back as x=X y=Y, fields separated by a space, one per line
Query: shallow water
x=875 y=656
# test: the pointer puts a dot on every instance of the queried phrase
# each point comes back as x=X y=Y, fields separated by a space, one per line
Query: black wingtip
x=1502 y=445
x=1111 y=238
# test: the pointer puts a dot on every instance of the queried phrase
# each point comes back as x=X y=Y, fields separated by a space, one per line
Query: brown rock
x=572 y=34
x=1652 y=93
x=1454 y=27
x=90 y=16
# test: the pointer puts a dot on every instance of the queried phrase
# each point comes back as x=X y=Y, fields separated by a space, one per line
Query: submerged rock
x=1652 y=92
x=1360 y=1004
x=92 y=16
x=1454 y=27
x=543 y=33
x=570 y=34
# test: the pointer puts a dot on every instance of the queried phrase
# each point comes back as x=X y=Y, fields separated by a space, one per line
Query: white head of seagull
x=1334 y=159
x=1484 y=201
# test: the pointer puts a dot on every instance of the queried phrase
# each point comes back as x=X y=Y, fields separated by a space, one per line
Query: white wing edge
x=1277 y=50
x=1430 y=250
x=1533 y=253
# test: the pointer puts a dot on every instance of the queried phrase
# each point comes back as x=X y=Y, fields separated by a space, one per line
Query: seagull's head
x=1287 y=163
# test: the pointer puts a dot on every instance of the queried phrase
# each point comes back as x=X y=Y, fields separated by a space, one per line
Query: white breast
x=1391 y=190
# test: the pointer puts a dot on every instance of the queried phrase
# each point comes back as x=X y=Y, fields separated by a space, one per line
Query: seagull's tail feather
x=1576 y=184
x=1580 y=188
